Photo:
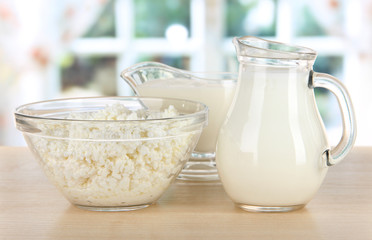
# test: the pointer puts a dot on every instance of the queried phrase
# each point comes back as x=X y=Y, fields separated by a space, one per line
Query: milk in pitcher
x=270 y=162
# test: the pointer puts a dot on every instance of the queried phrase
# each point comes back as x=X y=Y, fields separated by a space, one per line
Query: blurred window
x=89 y=76
x=165 y=30
x=318 y=18
x=196 y=35
x=154 y=18
x=105 y=24
x=250 y=17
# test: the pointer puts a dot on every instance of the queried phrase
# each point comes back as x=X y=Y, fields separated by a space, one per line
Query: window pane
x=230 y=63
x=250 y=17
x=319 y=18
x=181 y=62
x=152 y=18
x=329 y=64
x=89 y=76
x=105 y=24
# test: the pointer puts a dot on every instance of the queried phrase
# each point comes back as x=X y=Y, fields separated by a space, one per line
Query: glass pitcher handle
x=326 y=81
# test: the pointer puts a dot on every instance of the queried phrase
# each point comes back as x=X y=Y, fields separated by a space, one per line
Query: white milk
x=269 y=151
x=217 y=96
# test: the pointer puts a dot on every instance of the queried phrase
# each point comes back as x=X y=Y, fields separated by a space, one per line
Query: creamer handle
x=326 y=81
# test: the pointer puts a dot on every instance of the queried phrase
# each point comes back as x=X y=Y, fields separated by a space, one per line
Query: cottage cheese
x=115 y=172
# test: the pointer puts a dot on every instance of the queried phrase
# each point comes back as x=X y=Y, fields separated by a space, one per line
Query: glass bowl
x=112 y=153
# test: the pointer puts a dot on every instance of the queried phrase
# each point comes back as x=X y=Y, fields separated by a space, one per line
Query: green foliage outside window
x=153 y=17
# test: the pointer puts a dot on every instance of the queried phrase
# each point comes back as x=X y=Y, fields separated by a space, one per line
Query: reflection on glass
x=181 y=62
x=152 y=18
x=105 y=24
x=250 y=17
x=88 y=76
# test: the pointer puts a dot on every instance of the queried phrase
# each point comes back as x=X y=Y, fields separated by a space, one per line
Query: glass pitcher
x=272 y=150
x=215 y=89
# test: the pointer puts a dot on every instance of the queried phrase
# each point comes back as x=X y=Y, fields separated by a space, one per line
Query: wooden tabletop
x=32 y=208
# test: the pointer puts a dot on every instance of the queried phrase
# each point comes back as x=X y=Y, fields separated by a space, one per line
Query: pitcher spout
x=138 y=74
x=143 y=72
x=254 y=47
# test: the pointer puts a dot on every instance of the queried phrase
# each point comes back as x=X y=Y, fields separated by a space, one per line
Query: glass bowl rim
x=197 y=114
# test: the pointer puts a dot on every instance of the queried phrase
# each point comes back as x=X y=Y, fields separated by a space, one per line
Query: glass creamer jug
x=272 y=150
x=215 y=89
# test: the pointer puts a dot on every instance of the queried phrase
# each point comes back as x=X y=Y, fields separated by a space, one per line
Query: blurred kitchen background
x=52 y=49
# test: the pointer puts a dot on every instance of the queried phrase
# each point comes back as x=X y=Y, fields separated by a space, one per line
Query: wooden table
x=31 y=208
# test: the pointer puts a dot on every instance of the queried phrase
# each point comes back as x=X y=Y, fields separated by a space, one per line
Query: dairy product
x=216 y=95
x=269 y=151
x=121 y=170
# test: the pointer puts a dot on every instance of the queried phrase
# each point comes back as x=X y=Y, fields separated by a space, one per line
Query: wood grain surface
x=32 y=208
